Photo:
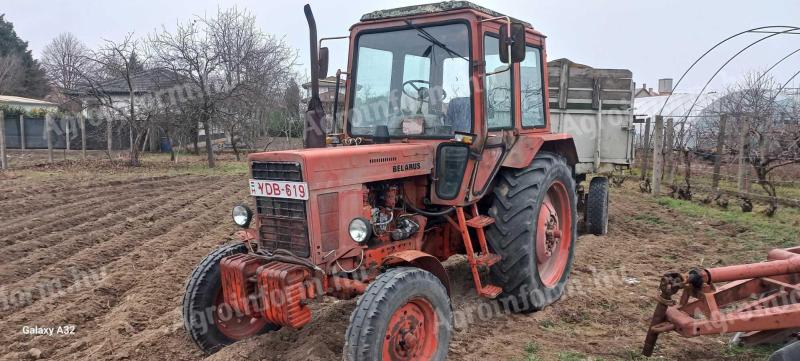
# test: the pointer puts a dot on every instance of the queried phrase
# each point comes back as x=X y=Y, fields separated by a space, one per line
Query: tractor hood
x=347 y=165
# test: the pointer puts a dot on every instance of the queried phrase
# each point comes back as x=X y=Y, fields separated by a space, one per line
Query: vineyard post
x=658 y=155
x=723 y=120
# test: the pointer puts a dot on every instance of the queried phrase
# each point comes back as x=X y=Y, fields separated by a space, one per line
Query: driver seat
x=458 y=114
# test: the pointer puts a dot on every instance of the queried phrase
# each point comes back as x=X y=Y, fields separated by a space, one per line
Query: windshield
x=414 y=81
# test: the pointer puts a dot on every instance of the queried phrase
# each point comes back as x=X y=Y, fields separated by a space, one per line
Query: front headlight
x=242 y=215
x=360 y=230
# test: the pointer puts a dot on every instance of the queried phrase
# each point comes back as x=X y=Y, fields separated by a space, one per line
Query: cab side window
x=497 y=87
x=531 y=89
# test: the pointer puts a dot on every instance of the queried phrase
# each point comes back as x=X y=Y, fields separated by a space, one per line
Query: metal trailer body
x=595 y=106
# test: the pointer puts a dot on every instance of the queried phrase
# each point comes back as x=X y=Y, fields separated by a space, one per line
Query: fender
x=528 y=145
x=420 y=260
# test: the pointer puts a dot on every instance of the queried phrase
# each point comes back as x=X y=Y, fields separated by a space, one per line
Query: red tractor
x=443 y=147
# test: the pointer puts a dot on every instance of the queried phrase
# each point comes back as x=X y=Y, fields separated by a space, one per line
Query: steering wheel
x=422 y=92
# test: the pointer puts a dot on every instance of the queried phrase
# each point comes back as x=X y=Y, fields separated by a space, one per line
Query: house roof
x=328 y=82
x=10 y=99
x=142 y=82
x=431 y=9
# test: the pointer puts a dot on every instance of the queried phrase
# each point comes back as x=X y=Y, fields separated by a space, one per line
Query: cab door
x=499 y=105
x=464 y=171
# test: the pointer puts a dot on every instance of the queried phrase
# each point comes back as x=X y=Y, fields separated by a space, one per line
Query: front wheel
x=210 y=322
x=534 y=231
x=404 y=315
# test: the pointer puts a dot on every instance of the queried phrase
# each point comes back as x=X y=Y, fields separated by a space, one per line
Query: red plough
x=758 y=299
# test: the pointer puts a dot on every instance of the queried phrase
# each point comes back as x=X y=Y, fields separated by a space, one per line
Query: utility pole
x=646 y=156
x=658 y=155
x=723 y=120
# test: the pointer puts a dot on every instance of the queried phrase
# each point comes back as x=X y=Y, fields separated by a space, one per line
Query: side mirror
x=323 y=63
x=515 y=40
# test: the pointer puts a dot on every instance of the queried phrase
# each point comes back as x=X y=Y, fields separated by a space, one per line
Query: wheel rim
x=412 y=333
x=233 y=326
x=554 y=234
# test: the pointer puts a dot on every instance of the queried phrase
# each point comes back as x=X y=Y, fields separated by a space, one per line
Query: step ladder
x=482 y=259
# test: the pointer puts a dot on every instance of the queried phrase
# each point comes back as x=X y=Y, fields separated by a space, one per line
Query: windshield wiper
x=427 y=36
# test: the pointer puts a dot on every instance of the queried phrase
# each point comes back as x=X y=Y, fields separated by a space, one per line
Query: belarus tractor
x=444 y=147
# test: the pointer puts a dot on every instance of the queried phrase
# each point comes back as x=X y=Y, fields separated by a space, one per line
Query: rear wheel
x=404 y=315
x=534 y=231
x=597 y=207
x=210 y=322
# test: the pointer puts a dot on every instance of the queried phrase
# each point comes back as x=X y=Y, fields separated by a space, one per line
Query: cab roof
x=433 y=8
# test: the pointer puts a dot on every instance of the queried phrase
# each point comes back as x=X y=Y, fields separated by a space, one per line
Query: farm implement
x=759 y=301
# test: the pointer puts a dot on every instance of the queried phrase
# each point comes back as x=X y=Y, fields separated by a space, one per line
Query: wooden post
x=22 y=131
x=646 y=155
x=669 y=146
x=658 y=155
x=83 y=135
x=48 y=119
x=744 y=128
x=109 y=140
x=66 y=136
x=723 y=120
x=3 y=159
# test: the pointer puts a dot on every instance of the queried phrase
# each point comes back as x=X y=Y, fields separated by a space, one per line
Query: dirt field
x=107 y=249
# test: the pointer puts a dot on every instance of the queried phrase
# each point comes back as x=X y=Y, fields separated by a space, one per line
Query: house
x=26 y=104
x=664 y=88
x=327 y=93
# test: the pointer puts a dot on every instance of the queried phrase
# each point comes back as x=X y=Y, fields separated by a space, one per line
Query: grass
x=530 y=353
x=777 y=231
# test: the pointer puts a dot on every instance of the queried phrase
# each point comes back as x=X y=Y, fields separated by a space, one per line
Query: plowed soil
x=109 y=253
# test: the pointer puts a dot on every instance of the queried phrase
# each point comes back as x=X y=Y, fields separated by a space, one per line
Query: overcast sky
x=654 y=39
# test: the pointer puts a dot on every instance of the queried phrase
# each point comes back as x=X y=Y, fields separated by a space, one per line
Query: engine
x=384 y=207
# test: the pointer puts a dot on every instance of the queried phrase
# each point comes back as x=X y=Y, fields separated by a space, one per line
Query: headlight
x=242 y=215
x=360 y=230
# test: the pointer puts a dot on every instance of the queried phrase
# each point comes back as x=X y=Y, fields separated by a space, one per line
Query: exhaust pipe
x=313 y=131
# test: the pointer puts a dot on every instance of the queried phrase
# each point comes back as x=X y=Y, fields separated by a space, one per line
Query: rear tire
x=405 y=314
x=520 y=197
x=211 y=323
x=597 y=207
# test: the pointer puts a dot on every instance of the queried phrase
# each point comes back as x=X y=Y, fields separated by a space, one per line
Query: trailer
x=594 y=106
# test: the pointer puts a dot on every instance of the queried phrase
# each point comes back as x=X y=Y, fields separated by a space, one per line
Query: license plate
x=279 y=189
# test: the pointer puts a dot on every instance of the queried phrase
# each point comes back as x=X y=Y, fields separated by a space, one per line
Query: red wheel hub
x=412 y=333
x=233 y=326
x=554 y=234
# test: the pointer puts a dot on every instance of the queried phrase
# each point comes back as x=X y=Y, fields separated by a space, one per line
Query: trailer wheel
x=405 y=314
x=597 y=207
x=209 y=321
x=534 y=231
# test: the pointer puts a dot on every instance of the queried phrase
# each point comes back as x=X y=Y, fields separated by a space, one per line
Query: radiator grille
x=284 y=222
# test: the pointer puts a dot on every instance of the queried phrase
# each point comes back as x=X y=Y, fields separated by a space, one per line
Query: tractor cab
x=462 y=78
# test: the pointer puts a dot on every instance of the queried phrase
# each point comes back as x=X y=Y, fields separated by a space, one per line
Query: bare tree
x=234 y=68
x=11 y=72
x=114 y=71
x=66 y=59
x=773 y=132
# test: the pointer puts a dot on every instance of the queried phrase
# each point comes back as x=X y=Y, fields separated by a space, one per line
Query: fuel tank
x=349 y=165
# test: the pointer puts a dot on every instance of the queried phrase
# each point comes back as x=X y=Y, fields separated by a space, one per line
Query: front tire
x=534 y=231
x=405 y=314
x=209 y=321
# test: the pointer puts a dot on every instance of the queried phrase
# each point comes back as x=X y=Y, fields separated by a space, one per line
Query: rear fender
x=527 y=146
x=420 y=260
